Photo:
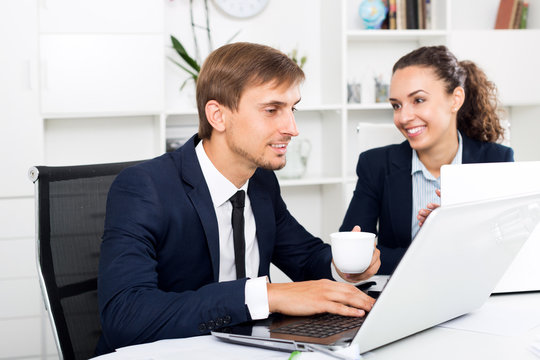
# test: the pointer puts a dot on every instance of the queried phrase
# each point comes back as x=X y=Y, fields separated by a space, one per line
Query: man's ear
x=214 y=114
x=458 y=97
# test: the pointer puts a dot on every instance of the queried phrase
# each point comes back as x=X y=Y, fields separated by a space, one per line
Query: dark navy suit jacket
x=383 y=194
x=159 y=264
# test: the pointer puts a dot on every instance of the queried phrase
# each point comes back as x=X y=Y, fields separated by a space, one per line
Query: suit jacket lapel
x=261 y=204
x=200 y=198
x=399 y=185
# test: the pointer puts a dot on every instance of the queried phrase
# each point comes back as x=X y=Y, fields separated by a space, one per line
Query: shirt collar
x=418 y=166
x=221 y=189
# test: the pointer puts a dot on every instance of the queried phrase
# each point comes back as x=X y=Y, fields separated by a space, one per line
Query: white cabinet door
x=20 y=124
x=102 y=73
x=101 y=16
x=510 y=59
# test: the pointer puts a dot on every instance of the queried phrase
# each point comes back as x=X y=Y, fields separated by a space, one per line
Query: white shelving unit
x=89 y=82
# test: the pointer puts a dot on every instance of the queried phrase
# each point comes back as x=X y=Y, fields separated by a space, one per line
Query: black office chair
x=70 y=213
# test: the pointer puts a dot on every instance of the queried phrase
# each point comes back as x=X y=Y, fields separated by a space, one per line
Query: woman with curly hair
x=448 y=112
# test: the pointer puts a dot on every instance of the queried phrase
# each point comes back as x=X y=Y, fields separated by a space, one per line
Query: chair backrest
x=70 y=214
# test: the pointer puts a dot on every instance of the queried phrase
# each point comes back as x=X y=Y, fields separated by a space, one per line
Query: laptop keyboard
x=320 y=326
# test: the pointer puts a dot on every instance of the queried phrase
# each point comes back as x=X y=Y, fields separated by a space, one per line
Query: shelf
x=390 y=35
x=374 y=106
x=181 y=112
x=309 y=181
x=329 y=107
x=87 y=115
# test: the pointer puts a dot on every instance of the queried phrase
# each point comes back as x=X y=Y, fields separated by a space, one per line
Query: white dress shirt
x=221 y=190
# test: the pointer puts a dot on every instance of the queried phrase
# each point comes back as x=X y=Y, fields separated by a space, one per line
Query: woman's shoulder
x=387 y=152
x=384 y=159
x=483 y=151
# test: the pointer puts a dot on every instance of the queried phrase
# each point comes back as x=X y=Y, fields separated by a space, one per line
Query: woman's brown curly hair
x=479 y=116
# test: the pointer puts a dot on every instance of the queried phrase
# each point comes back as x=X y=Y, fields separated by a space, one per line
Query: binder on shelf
x=385 y=25
x=428 y=14
x=401 y=14
x=392 y=15
x=421 y=14
x=524 y=13
x=506 y=14
x=517 y=17
x=412 y=14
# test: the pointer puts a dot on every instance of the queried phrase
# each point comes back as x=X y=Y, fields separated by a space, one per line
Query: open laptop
x=450 y=269
x=470 y=182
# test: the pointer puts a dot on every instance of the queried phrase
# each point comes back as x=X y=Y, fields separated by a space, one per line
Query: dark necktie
x=237 y=201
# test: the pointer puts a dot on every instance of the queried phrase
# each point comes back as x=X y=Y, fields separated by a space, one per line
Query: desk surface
x=473 y=340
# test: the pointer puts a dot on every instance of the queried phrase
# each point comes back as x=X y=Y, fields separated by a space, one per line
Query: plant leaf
x=303 y=61
x=185 y=82
x=190 y=72
x=232 y=37
x=184 y=55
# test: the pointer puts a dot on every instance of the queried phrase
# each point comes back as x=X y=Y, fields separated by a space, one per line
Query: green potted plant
x=191 y=66
x=294 y=56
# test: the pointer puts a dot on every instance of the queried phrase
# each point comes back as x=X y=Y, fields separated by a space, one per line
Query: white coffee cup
x=352 y=251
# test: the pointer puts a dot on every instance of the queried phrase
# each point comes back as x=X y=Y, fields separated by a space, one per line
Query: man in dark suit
x=171 y=265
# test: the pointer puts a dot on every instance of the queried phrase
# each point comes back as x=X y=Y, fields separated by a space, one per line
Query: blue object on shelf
x=373 y=13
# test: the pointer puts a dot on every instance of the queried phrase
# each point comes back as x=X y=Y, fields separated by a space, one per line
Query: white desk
x=435 y=343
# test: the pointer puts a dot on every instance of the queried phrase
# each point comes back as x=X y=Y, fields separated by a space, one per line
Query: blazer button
x=202 y=327
x=219 y=322
x=211 y=325
x=227 y=319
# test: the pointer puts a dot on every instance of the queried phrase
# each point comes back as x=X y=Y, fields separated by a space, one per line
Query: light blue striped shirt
x=424 y=185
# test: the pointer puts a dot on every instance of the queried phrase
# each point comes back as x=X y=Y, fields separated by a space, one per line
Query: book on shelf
x=392 y=15
x=428 y=14
x=524 y=13
x=504 y=14
x=401 y=14
x=517 y=15
x=385 y=25
x=410 y=14
x=510 y=14
x=421 y=14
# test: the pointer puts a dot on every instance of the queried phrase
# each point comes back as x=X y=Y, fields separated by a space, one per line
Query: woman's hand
x=369 y=272
x=424 y=213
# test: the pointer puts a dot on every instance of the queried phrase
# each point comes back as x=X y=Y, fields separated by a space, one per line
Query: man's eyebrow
x=277 y=103
x=272 y=102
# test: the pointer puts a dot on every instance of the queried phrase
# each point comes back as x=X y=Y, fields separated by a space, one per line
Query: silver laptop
x=450 y=269
x=470 y=182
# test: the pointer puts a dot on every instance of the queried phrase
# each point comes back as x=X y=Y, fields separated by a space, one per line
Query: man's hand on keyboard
x=315 y=297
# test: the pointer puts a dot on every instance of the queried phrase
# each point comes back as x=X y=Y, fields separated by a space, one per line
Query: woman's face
x=423 y=111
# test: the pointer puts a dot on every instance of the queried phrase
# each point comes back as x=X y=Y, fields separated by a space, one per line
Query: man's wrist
x=256 y=298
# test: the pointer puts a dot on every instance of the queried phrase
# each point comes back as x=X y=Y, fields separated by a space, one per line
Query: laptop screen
x=471 y=182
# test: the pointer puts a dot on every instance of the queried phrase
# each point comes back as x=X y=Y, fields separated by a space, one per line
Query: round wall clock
x=241 y=8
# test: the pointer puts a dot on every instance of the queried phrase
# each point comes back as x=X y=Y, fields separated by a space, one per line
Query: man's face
x=258 y=133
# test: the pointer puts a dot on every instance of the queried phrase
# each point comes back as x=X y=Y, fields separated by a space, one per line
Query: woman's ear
x=458 y=98
x=215 y=115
